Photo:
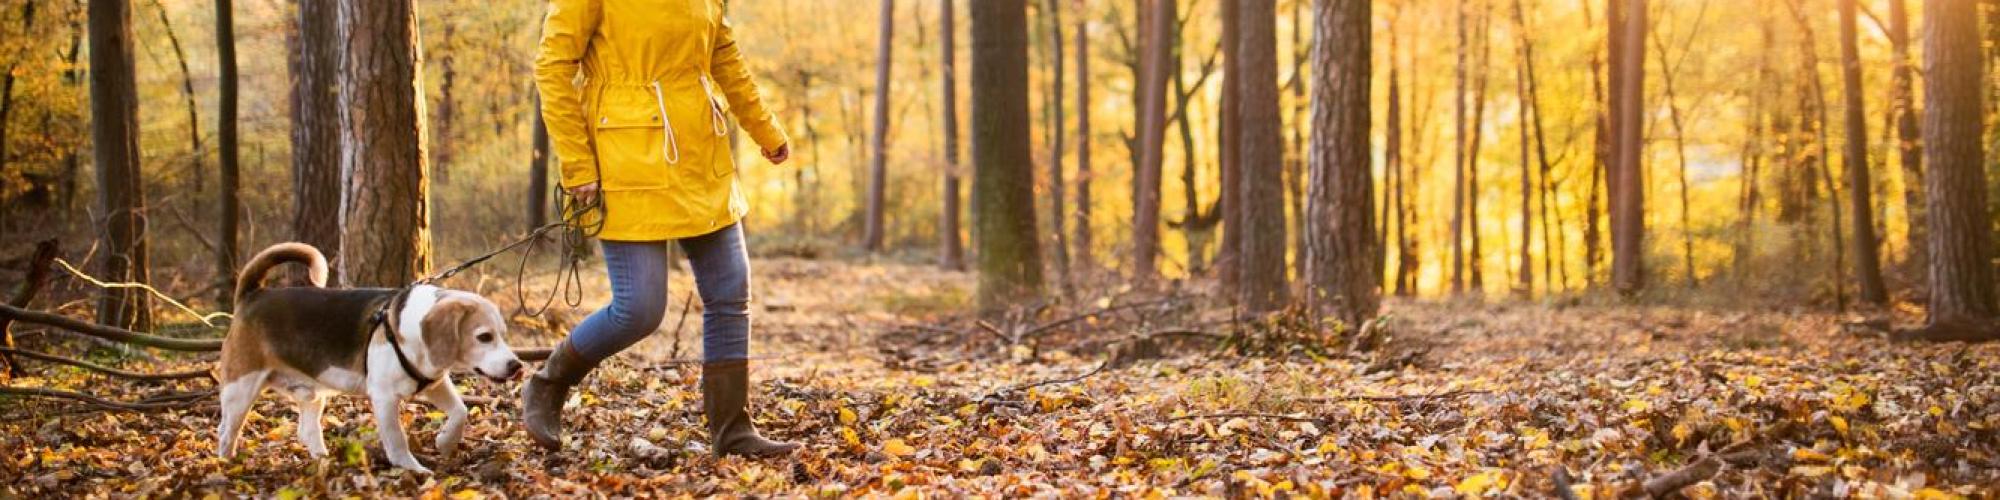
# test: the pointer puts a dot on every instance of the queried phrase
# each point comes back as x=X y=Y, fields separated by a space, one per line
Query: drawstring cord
x=670 y=146
x=716 y=118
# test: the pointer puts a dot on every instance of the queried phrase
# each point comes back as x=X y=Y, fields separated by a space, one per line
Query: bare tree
x=1458 y=193
x=230 y=199
x=1260 y=265
x=314 y=59
x=1010 y=264
x=953 y=253
x=443 y=148
x=878 y=169
x=1083 y=173
x=121 y=192
x=387 y=226
x=1342 y=256
x=1867 y=263
x=1628 y=74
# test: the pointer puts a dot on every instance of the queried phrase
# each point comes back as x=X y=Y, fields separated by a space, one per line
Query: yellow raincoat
x=635 y=94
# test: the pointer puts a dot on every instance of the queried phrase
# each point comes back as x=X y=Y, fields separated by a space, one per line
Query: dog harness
x=381 y=320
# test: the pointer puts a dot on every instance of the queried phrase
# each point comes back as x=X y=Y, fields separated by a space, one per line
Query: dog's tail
x=252 y=278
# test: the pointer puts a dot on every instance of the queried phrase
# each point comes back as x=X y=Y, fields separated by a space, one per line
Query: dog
x=311 y=342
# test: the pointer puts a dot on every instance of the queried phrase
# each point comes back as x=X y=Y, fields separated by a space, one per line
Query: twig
x=109 y=332
x=1395 y=399
x=1672 y=482
x=685 y=304
x=1071 y=380
x=1046 y=327
x=206 y=319
x=191 y=374
x=97 y=401
x=1270 y=416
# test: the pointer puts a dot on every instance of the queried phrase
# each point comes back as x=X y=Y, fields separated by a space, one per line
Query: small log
x=38 y=275
x=1672 y=482
x=112 y=333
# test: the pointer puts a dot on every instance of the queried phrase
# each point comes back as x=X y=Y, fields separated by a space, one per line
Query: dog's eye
x=485 y=337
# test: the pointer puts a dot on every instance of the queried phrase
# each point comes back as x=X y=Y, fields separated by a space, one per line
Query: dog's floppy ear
x=444 y=328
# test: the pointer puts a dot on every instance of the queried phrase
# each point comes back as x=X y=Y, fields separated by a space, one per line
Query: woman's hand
x=778 y=156
x=584 y=194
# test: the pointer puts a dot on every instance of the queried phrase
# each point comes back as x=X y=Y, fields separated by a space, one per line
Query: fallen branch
x=100 y=402
x=1395 y=399
x=1672 y=482
x=9 y=312
x=191 y=374
x=1071 y=380
x=1268 y=416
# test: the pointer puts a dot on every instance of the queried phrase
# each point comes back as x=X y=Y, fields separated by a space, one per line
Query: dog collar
x=381 y=319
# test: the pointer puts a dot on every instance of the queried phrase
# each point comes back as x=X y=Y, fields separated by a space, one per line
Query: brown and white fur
x=312 y=342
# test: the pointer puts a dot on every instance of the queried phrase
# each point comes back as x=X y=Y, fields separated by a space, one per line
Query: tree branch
x=9 y=312
x=115 y=372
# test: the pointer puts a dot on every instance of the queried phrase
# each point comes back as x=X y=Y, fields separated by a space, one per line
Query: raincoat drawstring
x=717 y=120
x=670 y=146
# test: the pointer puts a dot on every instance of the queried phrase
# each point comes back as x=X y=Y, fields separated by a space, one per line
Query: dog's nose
x=513 y=368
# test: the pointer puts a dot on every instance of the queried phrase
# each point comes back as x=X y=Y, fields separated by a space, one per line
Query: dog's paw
x=447 y=448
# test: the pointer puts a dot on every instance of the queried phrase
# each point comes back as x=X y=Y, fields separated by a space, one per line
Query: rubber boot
x=725 y=393
x=543 y=396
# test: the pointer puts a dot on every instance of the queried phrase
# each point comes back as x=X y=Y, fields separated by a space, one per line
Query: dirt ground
x=895 y=392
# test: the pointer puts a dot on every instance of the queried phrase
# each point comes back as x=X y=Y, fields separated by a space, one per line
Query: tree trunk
x=231 y=200
x=1010 y=267
x=1628 y=216
x=1260 y=263
x=387 y=226
x=196 y=151
x=1083 y=173
x=1961 y=252
x=538 y=172
x=1817 y=169
x=1056 y=194
x=953 y=253
x=1909 y=142
x=1867 y=263
x=1476 y=269
x=1525 y=277
x=121 y=193
x=1342 y=259
x=442 y=150
x=1459 y=114
x=878 y=165
x=1676 y=119
x=1754 y=157
x=1230 y=141
x=1392 y=169
x=1158 y=60
x=1552 y=242
x=314 y=59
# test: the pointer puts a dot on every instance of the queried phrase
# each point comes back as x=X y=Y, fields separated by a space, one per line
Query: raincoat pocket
x=633 y=145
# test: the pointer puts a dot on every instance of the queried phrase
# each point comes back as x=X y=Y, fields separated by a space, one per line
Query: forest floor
x=895 y=392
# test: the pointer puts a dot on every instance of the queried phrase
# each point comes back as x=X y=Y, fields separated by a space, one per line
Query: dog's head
x=466 y=331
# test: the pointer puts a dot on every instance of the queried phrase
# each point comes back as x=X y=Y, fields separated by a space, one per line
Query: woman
x=630 y=95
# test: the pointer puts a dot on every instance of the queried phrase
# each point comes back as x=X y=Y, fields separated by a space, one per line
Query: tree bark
x=1525 y=276
x=121 y=193
x=1010 y=267
x=387 y=226
x=1867 y=262
x=1459 y=114
x=1158 y=58
x=1476 y=259
x=1628 y=216
x=1230 y=143
x=1392 y=169
x=314 y=59
x=1056 y=211
x=878 y=164
x=226 y=139
x=1260 y=263
x=442 y=150
x=1960 y=234
x=1342 y=260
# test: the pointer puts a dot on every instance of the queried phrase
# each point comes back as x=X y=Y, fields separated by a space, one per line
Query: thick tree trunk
x=226 y=139
x=1628 y=216
x=121 y=193
x=1909 y=142
x=1867 y=262
x=1260 y=263
x=1010 y=264
x=1961 y=248
x=1342 y=256
x=1158 y=60
x=314 y=59
x=1083 y=172
x=387 y=226
x=952 y=255
x=878 y=145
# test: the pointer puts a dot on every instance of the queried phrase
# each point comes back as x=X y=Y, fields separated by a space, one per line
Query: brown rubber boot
x=543 y=396
x=725 y=393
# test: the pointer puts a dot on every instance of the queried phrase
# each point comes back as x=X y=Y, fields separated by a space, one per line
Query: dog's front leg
x=444 y=395
x=390 y=428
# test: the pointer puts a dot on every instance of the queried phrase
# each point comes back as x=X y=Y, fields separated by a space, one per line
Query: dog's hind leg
x=444 y=396
x=389 y=427
x=311 y=406
x=237 y=396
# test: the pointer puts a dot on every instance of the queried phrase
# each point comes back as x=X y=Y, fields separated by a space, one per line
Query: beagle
x=391 y=345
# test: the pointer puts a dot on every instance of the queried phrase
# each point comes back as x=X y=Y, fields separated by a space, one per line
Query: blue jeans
x=638 y=272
